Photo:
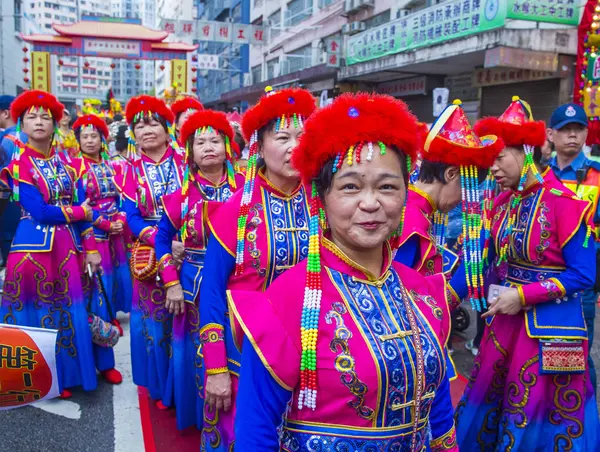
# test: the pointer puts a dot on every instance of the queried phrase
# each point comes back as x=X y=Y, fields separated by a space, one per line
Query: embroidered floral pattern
x=444 y=442
x=345 y=363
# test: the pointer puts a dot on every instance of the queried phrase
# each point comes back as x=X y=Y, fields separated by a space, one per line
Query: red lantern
x=194 y=90
x=25 y=49
x=26 y=80
x=25 y=60
x=113 y=65
x=194 y=58
x=86 y=64
x=162 y=67
x=194 y=80
x=194 y=69
x=61 y=62
x=138 y=66
x=25 y=70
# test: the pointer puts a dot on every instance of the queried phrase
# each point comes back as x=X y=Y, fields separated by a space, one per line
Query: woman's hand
x=93 y=260
x=89 y=213
x=175 y=301
x=116 y=227
x=178 y=252
x=218 y=391
x=509 y=303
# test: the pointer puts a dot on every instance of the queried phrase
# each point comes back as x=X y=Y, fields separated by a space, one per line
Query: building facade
x=127 y=79
x=11 y=77
x=74 y=78
x=481 y=51
x=171 y=9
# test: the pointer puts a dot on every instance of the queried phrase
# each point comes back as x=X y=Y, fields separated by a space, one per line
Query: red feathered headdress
x=92 y=120
x=184 y=104
x=146 y=103
x=357 y=118
x=205 y=118
x=452 y=141
x=36 y=98
x=287 y=102
x=515 y=126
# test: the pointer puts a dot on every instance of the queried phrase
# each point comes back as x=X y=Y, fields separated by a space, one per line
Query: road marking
x=64 y=408
x=128 y=426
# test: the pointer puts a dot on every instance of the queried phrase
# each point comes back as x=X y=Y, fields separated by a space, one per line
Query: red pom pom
x=285 y=102
x=146 y=103
x=204 y=118
x=444 y=151
x=532 y=133
x=186 y=103
x=93 y=120
x=354 y=118
x=36 y=98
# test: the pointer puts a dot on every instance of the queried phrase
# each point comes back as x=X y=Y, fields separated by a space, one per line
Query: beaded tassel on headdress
x=440 y=222
x=245 y=203
x=310 y=311
x=472 y=222
x=489 y=189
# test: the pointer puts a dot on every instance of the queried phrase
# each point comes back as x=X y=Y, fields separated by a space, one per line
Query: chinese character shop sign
x=111 y=47
x=40 y=71
x=451 y=19
x=556 y=11
x=27 y=365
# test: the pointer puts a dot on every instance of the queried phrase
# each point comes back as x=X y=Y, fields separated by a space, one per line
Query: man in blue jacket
x=567 y=132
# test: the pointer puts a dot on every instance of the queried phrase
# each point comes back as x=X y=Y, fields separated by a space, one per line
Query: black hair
x=121 y=138
x=118 y=118
x=430 y=172
x=324 y=179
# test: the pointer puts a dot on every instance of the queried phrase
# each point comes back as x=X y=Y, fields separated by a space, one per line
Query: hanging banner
x=27 y=365
x=40 y=71
x=179 y=74
x=555 y=11
x=206 y=61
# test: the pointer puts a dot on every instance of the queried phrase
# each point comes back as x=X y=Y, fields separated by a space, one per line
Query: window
x=48 y=26
x=271 y=66
x=298 y=11
x=325 y=3
x=377 y=20
x=300 y=59
x=18 y=13
x=256 y=74
x=275 y=23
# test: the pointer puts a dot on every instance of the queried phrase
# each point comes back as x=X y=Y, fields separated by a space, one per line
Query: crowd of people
x=290 y=281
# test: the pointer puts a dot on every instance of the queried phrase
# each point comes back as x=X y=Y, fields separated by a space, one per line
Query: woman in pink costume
x=209 y=180
x=98 y=181
x=530 y=390
x=155 y=173
x=269 y=236
x=54 y=241
x=347 y=348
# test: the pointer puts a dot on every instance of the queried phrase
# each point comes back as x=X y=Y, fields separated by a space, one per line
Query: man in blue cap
x=9 y=218
x=567 y=132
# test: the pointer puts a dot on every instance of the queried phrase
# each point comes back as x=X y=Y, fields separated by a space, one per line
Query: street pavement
x=109 y=419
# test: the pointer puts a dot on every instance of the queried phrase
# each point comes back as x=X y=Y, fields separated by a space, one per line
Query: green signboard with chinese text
x=554 y=11
x=449 y=20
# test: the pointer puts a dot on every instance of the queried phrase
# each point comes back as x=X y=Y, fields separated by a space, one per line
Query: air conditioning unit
x=248 y=79
x=365 y=3
x=357 y=27
x=349 y=5
x=402 y=13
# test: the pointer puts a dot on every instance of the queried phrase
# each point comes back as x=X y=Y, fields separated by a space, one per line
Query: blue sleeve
x=135 y=220
x=580 y=263
x=408 y=254
x=164 y=238
x=218 y=267
x=7 y=148
x=441 y=416
x=261 y=404
x=33 y=202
